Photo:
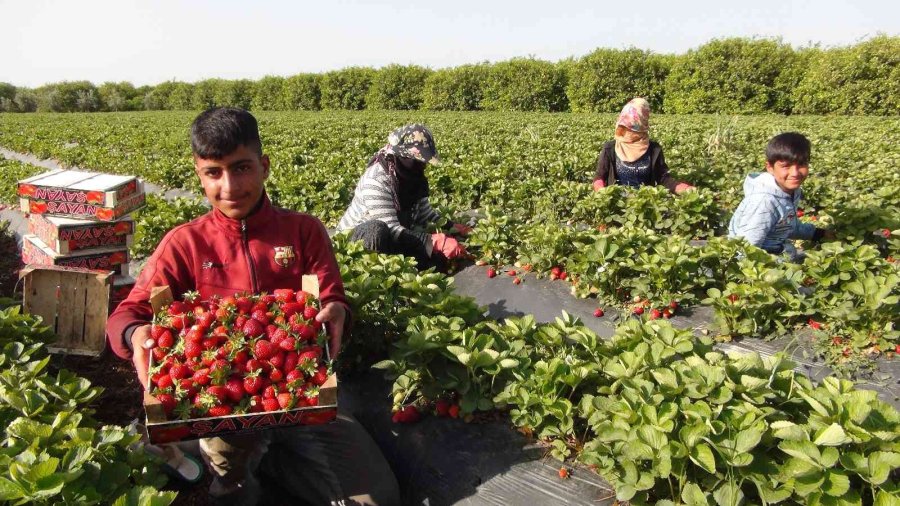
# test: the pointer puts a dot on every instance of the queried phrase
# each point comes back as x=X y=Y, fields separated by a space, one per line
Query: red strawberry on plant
x=517 y=281
x=673 y=305
x=886 y=233
x=814 y=324
x=563 y=275
x=655 y=314
x=800 y=213
x=638 y=310
x=666 y=313
x=598 y=312
x=453 y=411
x=442 y=407
x=733 y=297
x=491 y=272
x=897 y=349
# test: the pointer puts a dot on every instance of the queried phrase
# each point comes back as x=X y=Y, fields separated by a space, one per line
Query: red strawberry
x=159 y=354
x=491 y=272
x=206 y=319
x=655 y=314
x=263 y=349
x=235 y=389
x=271 y=405
x=156 y=331
x=411 y=414
x=309 y=312
x=511 y=272
x=310 y=354
x=556 y=271
x=301 y=297
x=283 y=294
x=320 y=376
x=243 y=304
x=563 y=473
x=517 y=281
x=285 y=400
x=253 y=328
x=886 y=233
x=256 y=405
x=666 y=313
x=270 y=392
x=201 y=377
x=219 y=392
x=163 y=381
x=598 y=312
x=222 y=410
x=294 y=378
x=291 y=308
x=276 y=375
x=307 y=332
x=814 y=324
x=179 y=371
x=261 y=316
x=168 y=402
x=638 y=310
x=442 y=407
x=165 y=340
x=192 y=349
x=673 y=305
x=563 y=275
x=277 y=360
x=287 y=344
x=253 y=383
x=800 y=213
x=291 y=359
x=254 y=365
x=178 y=307
x=733 y=297
x=453 y=411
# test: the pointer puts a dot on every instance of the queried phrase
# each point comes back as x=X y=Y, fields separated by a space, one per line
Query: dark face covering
x=410 y=183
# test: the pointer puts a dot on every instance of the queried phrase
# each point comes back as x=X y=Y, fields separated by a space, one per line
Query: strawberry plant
x=52 y=451
x=158 y=217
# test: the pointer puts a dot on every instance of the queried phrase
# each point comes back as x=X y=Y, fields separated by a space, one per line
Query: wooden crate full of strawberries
x=237 y=364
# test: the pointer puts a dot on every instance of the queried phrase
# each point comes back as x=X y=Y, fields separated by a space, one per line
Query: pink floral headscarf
x=632 y=130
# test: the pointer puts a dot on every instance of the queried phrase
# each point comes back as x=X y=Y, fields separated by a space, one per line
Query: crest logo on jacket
x=284 y=255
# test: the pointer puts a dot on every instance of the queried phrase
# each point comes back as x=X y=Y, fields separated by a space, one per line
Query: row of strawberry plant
x=53 y=451
x=541 y=164
x=657 y=412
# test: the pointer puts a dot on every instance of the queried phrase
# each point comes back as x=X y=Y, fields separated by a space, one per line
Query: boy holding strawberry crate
x=246 y=245
x=767 y=216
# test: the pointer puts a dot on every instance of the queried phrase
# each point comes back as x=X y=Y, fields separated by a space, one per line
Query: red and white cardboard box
x=114 y=258
x=84 y=195
x=68 y=235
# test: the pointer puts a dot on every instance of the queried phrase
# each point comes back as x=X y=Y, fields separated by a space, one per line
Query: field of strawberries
x=659 y=412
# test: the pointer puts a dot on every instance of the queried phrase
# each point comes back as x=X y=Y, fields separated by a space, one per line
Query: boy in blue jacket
x=767 y=217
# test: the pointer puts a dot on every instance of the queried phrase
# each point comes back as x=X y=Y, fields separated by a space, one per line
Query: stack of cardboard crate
x=81 y=219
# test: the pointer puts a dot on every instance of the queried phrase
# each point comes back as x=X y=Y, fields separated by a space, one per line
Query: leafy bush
x=301 y=93
x=74 y=96
x=268 y=94
x=860 y=79
x=117 y=96
x=180 y=97
x=11 y=172
x=525 y=84
x=346 y=88
x=10 y=262
x=397 y=87
x=52 y=451
x=234 y=93
x=731 y=76
x=455 y=89
x=603 y=81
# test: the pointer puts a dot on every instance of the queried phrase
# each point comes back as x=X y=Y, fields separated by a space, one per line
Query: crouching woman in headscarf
x=632 y=159
x=390 y=211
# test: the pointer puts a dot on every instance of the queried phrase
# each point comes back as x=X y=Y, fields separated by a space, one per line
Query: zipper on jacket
x=246 y=246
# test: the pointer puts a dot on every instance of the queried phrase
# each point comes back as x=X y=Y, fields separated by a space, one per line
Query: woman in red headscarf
x=632 y=159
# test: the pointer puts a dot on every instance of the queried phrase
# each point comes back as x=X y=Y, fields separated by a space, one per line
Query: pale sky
x=147 y=42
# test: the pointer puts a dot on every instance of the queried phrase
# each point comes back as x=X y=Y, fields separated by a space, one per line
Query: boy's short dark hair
x=219 y=131
x=790 y=147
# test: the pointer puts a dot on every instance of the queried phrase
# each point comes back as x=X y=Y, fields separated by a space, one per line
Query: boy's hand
x=141 y=342
x=334 y=314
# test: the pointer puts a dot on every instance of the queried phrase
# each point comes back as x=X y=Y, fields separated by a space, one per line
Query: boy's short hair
x=219 y=131
x=790 y=147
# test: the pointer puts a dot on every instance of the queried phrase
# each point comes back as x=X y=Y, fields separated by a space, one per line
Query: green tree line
x=727 y=76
